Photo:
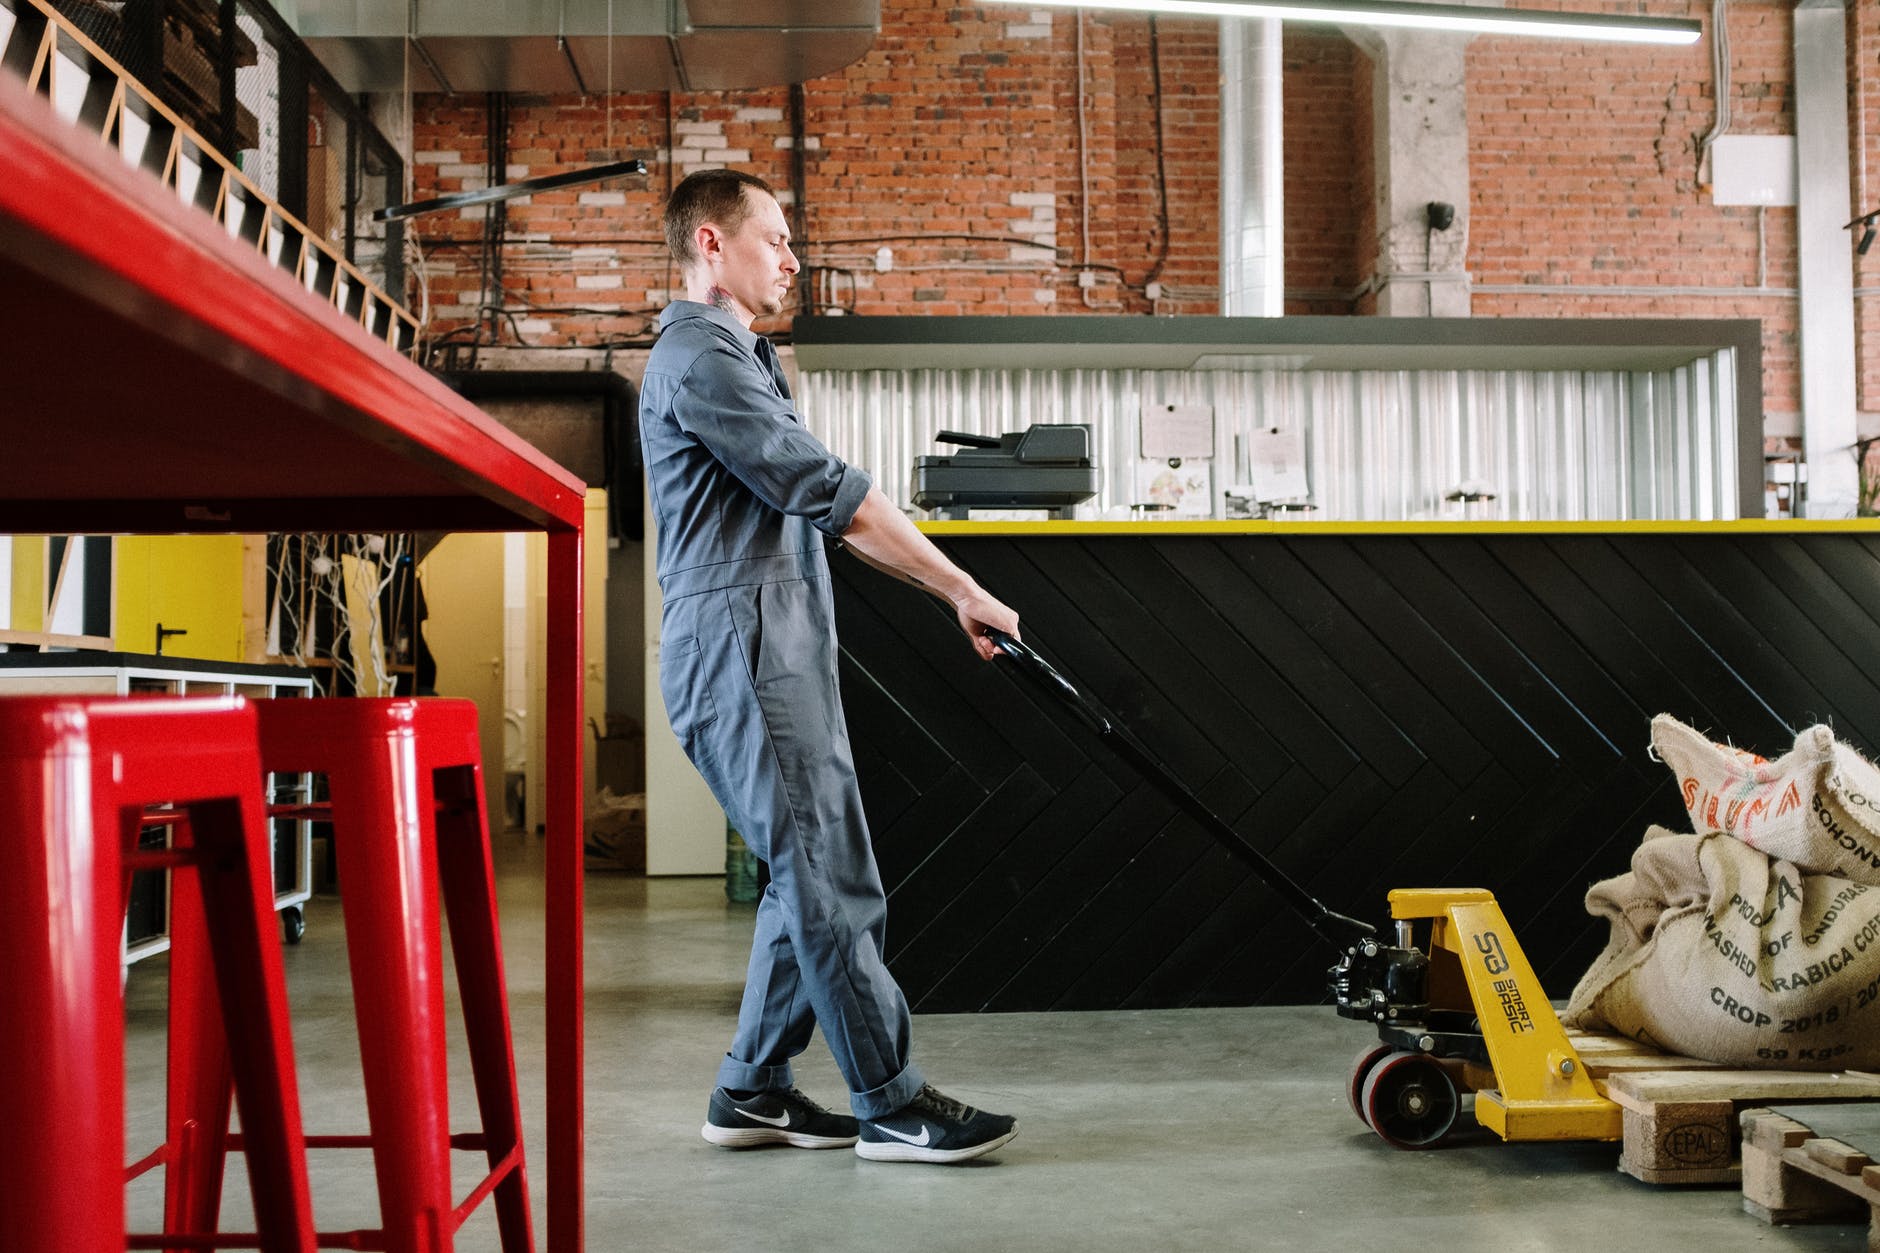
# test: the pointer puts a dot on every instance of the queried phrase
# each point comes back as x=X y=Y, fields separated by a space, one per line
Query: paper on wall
x=1177 y=431
x=1276 y=465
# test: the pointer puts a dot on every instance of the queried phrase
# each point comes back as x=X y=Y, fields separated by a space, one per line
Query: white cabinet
x=146 y=928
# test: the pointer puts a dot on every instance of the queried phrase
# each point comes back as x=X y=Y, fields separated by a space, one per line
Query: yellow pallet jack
x=1457 y=1007
x=1484 y=1026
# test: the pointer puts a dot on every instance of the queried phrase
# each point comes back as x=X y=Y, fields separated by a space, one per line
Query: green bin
x=741 y=868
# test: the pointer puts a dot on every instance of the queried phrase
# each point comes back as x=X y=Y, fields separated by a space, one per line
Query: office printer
x=1045 y=467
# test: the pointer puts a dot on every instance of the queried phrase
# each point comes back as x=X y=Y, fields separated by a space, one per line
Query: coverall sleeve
x=727 y=404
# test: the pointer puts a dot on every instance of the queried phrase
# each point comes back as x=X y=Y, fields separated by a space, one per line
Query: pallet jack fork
x=1460 y=1011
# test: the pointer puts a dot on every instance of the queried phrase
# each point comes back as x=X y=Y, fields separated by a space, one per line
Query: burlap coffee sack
x=1720 y=952
x=1817 y=806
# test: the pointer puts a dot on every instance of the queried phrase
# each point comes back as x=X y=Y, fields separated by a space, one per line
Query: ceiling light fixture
x=1536 y=23
x=509 y=191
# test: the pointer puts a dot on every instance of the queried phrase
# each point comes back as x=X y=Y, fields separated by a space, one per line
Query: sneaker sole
x=757 y=1137
x=890 y=1151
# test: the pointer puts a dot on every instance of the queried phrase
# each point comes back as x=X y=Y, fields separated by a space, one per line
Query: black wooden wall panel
x=1372 y=711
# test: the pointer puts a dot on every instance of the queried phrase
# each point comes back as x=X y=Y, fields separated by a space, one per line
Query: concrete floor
x=1168 y=1130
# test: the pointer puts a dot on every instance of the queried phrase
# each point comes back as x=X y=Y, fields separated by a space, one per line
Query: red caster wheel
x=1361 y=1070
x=1410 y=1101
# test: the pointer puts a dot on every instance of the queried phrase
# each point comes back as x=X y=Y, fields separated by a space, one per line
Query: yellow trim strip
x=1734 y=526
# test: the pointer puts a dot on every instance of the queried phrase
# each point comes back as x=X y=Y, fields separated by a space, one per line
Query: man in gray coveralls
x=743 y=496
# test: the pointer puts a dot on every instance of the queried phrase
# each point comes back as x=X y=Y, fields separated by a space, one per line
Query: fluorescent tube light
x=509 y=191
x=1535 y=23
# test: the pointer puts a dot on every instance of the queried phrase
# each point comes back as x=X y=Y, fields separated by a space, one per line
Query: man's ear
x=708 y=241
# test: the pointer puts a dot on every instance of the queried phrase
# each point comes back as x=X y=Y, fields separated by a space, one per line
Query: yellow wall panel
x=191 y=582
x=29 y=583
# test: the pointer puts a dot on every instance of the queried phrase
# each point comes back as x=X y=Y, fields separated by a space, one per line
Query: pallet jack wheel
x=1410 y=1101
x=1361 y=1069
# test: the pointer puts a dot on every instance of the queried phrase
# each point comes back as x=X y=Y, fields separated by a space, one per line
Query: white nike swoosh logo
x=782 y=1120
x=921 y=1142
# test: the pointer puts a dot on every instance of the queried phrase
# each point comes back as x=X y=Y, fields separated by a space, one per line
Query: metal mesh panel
x=177 y=49
x=236 y=73
x=104 y=24
x=258 y=96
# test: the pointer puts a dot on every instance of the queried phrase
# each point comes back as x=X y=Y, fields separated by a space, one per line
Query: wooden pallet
x=1681 y=1114
x=1792 y=1175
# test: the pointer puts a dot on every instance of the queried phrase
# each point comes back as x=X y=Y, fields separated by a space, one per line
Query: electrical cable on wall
x=1083 y=150
x=495 y=217
x=500 y=258
x=799 y=192
x=1161 y=165
x=550 y=256
x=1860 y=120
x=414 y=247
x=669 y=184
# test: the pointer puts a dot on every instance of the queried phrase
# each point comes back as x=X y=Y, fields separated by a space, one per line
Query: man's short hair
x=707 y=196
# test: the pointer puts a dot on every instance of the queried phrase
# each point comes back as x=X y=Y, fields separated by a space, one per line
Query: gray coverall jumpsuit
x=742 y=496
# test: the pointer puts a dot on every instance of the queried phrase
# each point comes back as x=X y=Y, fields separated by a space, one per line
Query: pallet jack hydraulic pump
x=1457 y=1007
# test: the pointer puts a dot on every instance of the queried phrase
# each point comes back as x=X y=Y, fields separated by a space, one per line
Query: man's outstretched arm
x=882 y=536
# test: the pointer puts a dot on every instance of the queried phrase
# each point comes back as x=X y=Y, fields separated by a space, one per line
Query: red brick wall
x=584 y=263
x=1189 y=54
x=942 y=145
x=1584 y=175
x=955 y=143
x=1327 y=184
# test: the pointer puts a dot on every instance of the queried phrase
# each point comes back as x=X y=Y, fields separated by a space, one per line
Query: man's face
x=754 y=265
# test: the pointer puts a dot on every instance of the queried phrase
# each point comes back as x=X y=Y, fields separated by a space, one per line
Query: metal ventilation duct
x=1253 y=234
x=558 y=46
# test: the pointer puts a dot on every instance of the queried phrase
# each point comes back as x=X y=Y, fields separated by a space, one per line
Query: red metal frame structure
x=160 y=376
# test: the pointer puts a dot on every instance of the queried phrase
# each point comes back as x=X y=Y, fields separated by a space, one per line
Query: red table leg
x=567 y=1225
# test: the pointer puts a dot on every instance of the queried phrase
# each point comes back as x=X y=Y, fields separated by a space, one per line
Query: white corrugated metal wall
x=1380 y=445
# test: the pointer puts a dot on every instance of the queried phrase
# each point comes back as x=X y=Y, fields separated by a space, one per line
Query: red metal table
x=162 y=377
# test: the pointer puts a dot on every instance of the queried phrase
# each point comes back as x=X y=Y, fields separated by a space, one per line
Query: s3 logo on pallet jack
x=1488 y=944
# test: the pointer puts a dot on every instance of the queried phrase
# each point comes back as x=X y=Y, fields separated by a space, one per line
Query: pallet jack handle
x=1342 y=932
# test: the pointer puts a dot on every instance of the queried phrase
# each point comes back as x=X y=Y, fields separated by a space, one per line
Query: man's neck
x=710 y=293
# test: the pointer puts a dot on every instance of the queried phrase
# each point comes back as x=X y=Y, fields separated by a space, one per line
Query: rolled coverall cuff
x=890 y=1096
x=849 y=492
x=745 y=1077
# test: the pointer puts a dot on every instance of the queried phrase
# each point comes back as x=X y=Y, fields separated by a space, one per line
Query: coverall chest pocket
x=687 y=691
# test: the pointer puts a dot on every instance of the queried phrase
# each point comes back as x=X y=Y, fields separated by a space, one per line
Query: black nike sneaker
x=777 y=1117
x=934 y=1128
